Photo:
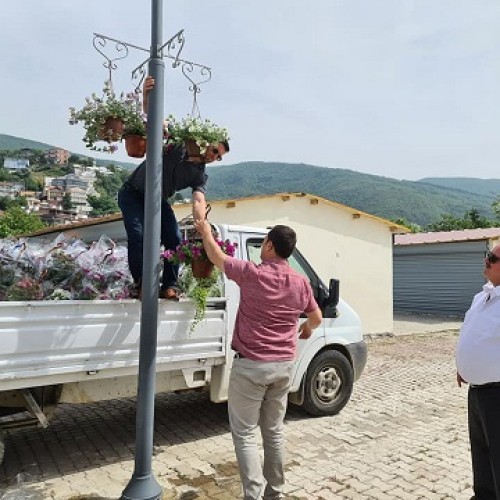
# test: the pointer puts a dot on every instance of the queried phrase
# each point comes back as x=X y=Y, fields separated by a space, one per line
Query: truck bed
x=54 y=342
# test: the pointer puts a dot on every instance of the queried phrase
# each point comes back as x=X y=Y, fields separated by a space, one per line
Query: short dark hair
x=283 y=239
x=226 y=145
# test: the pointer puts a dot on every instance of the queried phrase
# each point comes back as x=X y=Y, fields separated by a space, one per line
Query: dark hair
x=283 y=239
x=226 y=145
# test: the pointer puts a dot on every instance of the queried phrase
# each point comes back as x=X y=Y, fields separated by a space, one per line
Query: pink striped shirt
x=272 y=298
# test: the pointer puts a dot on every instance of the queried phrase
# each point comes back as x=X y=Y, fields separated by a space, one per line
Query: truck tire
x=2 y=446
x=328 y=384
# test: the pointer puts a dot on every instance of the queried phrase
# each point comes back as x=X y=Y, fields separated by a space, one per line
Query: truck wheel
x=328 y=384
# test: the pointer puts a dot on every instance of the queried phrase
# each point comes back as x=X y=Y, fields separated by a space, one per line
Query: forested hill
x=486 y=187
x=418 y=202
x=421 y=202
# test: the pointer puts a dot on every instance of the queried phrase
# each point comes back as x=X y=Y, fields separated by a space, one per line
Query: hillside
x=10 y=142
x=421 y=202
x=390 y=198
x=485 y=187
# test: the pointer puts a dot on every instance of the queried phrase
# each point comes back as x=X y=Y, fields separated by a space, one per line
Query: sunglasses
x=215 y=151
x=491 y=257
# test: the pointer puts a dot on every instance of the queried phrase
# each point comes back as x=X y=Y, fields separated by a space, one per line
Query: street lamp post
x=143 y=485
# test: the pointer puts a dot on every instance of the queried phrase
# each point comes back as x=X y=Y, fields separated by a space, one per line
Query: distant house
x=58 y=156
x=16 y=164
x=11 y=189
x=439 y=273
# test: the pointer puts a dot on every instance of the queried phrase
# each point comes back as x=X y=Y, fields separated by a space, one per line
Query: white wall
x=358 y=251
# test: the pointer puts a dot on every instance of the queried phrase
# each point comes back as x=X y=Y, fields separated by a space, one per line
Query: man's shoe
x=169 y=294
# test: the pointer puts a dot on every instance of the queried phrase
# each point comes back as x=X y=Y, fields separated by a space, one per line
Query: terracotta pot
x=192 y=149
x=135 y=145
x=112 y=129
x=201 y=268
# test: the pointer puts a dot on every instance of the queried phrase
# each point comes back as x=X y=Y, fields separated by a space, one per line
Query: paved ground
x=402 y=436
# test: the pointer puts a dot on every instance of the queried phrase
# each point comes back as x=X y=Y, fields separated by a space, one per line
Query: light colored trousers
x=258 y=394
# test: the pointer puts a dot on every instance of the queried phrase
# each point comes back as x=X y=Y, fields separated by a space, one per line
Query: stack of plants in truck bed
x=63 y=269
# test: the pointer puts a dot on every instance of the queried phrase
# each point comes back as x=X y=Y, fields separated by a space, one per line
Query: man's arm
x=313 y=321
x=148 y=85
x=214 y=253
x=199 y=206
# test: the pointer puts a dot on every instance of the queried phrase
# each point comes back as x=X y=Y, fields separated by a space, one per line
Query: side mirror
x=332 y=300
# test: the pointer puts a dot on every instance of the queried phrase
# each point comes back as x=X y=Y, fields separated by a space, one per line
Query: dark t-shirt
x=178 y=173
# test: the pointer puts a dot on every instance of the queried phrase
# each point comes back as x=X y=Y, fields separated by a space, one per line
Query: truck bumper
x=358 y=352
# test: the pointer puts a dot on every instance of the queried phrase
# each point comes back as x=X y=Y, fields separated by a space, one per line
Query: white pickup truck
x=84 y=351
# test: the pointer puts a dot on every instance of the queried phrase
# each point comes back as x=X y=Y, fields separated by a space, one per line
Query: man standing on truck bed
x=273 y=296
x=179 y=172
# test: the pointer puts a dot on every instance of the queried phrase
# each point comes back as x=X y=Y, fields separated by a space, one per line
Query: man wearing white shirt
x=478 y=364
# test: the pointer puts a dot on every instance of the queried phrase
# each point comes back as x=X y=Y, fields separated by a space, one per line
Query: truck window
x=296 y=261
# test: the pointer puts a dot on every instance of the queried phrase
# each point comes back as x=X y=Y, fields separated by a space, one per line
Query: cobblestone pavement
x=402 y=436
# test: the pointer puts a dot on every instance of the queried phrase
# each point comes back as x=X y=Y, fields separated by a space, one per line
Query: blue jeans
x=131 y=203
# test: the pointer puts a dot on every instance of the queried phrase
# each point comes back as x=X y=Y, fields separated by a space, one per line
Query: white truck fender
x=306 y=354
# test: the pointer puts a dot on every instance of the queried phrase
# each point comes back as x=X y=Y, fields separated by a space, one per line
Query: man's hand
x=203 y=227
x=460 y=380
x=305 y=330
x=147 y=86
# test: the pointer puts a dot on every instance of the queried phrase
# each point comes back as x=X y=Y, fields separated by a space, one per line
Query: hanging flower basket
x=135 y=145
x=112 y=129
x=201 y=268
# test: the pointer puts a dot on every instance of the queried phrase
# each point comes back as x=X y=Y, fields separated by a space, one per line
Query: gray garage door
x=437 y=278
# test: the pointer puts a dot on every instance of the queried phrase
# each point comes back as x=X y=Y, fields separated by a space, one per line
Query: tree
x=103 y=205
x=66 y=202
x=472 y=219
x=16 y=221
x=414 y=228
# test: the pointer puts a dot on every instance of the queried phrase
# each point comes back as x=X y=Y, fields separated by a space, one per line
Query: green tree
x=103 y=205
x=16 y=221
x=402 y=221
x=472 y=219
x=66 y=202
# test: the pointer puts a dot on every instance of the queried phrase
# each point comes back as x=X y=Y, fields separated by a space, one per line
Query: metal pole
x=143 y=485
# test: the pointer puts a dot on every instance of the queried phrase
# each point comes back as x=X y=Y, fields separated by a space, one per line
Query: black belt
x=238 y=355
x=486 y=386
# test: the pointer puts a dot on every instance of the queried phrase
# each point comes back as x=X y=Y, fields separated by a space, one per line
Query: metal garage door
x=438 y=278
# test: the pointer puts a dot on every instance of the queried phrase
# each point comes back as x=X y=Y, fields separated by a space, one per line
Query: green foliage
x=417 y=202
x=414 y=228
x=16 y=221
x=198 y=290
x=66 y=202
x=97 y=110
x=203 y=132
x=103 y=205
x=7 y=202
x=471 y=220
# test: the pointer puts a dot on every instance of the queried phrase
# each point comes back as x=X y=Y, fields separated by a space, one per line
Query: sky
x=399 y=88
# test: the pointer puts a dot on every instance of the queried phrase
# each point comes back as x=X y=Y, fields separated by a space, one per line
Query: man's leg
x=272 y=428
x=484 y=487
x=131 y=204
x=245 y=397
x=170 y=238
x=489 y=408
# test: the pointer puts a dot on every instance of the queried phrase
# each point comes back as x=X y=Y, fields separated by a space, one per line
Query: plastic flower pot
x=201 y=268
x=135 y=145
x=112 y=129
